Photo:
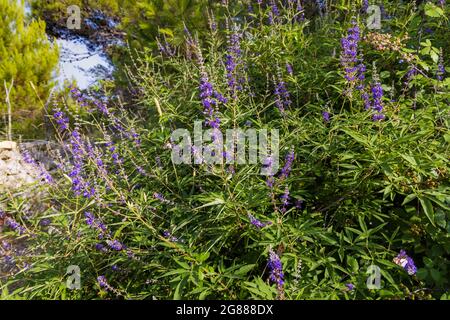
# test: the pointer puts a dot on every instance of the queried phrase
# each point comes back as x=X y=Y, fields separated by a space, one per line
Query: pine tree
x=28 y=59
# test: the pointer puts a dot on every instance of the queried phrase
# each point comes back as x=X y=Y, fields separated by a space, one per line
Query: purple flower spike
x=441 y=69
x=115 y=245
x=276 y=271
x=353 y=67
x=287 y=165
x=282 y=97
x=233 y=63
x=103 y=283
x=257 y=223
x=289 y=69
x=61 y=120
x=377 y=95
x=285 y=200
x=301 y=16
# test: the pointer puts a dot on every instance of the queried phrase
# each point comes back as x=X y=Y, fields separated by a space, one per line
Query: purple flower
x=61 y=119
x=103 y=283
x=270 y=181
x=212 y=22
x=14 y=225
x=361 y=69
x=115 y=244
x=257 y=223
x=365 y=6
x=366 y=99
x=349 y=60
x=378 y=117
x=287 y=165
x=289 y=69
x=326 y=116
x=43 y=173
x=159 y=197
x=285 y=199
x=377 y=95
x=6 y=245
x=169 y=236
x=28 y=158
x=350 y=286
x=298 y=204
x=274 y=12
x=9 y=260
x=100 y=247
x=45 y=222
x=301 y=12
x=210 y=99
x=78 y=96
x=165 y=48
x=276 y=270
x=409 y=76
x=233 y=61
x=406 y=262
x=89 y=218
x=321 y=4
x=441 y=70
x=102 y=107
x=96 y=224
x=282 y=97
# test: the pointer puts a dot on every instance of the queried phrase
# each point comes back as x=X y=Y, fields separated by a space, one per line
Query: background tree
x=28 y=58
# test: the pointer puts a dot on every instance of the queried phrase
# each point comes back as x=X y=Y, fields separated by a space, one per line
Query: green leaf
x=361 y=139
x=212 y=203
x=385 y=74
x=447 y=136
x=410 y=159
x=166 y=31
x=203 y=256
x=353 y=263
x=422 y=274
x=432 y=10
x=436 y=275
x=440 y=218
x=244 y=270
x=434 y=56
x=203 y=295
x=177 y=295
x=409 y=198
x=427 y=208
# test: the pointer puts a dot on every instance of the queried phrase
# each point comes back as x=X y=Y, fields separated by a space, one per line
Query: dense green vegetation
x=363 y=120
x=27 y=61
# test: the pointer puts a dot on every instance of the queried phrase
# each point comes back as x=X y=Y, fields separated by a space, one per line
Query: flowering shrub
x=363 y=123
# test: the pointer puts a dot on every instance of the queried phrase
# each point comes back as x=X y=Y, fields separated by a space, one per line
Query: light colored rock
x=13 y=167
x=9 y=145
x=14 y=172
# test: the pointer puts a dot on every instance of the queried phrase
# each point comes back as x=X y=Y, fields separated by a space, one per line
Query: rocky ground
x=18 y=180
x=14 y=171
